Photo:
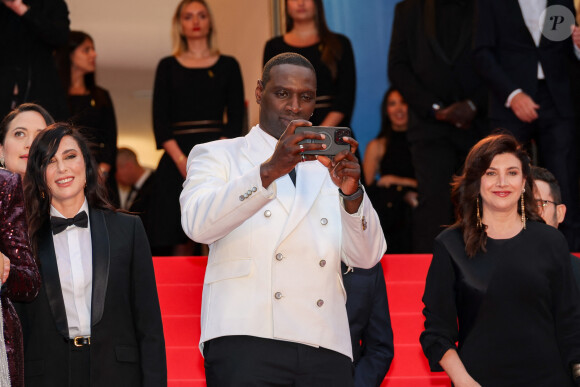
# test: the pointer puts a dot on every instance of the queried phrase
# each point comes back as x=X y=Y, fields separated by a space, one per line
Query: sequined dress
x=23 y=282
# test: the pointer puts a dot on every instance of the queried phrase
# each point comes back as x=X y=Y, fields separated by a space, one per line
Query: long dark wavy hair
x=36 y=192
x=466 y=188
x=25 y=107
x=386 y=124
x=329 y=43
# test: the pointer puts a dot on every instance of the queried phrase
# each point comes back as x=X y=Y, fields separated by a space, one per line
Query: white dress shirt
x=73 y=249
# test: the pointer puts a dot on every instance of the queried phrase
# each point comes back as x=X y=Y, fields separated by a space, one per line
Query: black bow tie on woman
x=60 y=224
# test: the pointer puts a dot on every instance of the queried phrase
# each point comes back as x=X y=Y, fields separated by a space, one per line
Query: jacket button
x=254 y=189
x=324 y=221
x=242 y=198
x=246 y=195
x=279 y=256
x=278 y=295
x=319 y=303
x=267 y=213
x=322 y=263
x=249 y=192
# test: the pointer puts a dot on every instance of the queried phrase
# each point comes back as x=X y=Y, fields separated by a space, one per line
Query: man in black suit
x=369 y=320
x=129 y=173
x=528 y=73
x=549 y=199
x=430 y=63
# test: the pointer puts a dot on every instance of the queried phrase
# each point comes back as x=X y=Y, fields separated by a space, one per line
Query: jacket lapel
x=101 y=262
x=309 y=179
x=430 y=29
x=257 y=151
x=51 y=279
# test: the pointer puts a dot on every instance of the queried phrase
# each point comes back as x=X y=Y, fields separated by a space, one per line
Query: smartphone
x=332 y=138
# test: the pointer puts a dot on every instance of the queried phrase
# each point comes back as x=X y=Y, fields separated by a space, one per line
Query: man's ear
x=259 y=91
x=560 y=212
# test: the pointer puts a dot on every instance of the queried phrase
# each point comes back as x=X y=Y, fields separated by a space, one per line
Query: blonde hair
x=179 y=41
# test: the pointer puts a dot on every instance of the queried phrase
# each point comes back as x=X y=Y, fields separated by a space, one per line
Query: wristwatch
x=357 y=194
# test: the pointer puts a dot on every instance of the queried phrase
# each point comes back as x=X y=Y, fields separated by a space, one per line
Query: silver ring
x=303 y=158
x=301 y=146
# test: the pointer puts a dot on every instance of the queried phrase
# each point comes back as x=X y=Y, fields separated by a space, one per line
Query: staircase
x=179 y=283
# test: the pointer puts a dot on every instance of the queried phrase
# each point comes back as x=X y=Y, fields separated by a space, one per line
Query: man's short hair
x=127 y=154
x=285 y=58
x=542 y=174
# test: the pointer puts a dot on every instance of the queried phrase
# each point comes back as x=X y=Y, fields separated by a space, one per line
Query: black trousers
x=435 y=162
x=556 y=140
x=253 y=361
x=79 y=366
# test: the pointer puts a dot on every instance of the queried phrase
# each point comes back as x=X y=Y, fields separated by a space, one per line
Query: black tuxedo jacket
x=507 y=57
x=127 y=343
x=140 y=204
x=370 y=324
x=424 y=74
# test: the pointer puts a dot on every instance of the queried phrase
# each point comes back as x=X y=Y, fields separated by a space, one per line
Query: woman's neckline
x=219 y=57
x=295 y=46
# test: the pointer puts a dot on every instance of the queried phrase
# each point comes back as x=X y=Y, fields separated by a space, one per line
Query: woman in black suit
x=96 y=320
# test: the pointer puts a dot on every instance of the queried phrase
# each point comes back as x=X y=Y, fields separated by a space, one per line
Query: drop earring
x=523 y=208
x=479 y=223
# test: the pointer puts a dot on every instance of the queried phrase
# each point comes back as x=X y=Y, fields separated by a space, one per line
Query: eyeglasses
x=544 y=203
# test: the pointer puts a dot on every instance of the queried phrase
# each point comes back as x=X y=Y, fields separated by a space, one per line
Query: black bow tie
x=60 y=224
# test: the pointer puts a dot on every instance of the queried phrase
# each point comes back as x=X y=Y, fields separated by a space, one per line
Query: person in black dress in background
x=388 y=157
x=193 y=89
x=331 y=55
x=500 y=282
x=30 y=31
x=90 y=106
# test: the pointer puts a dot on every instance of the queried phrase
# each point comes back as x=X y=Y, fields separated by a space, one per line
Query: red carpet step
x=180 y=279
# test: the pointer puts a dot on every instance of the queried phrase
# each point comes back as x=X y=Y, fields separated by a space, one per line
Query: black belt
x=80 y=341
x=201 y=126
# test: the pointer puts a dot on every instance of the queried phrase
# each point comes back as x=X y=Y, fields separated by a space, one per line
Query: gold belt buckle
x=77 y=341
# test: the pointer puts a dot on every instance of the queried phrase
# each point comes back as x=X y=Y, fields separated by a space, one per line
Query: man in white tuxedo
x=278 y=223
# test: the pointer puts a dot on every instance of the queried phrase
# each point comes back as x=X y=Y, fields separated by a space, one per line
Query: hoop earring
x=479 y=222
x=523 y=208
x=42 y=194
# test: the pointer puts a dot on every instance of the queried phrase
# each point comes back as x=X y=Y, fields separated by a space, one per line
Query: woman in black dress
x=194 y=89
x=90 y=105
x=331 y=55
x=389 y=175
x=500 y=283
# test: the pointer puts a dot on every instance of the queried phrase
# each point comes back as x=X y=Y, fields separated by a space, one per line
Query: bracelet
x=357 y=194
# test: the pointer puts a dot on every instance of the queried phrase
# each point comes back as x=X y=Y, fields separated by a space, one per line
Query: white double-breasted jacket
x=274 y=263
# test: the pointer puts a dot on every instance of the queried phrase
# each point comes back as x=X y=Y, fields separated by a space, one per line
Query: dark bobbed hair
x=36 y=192
x=25 y=107
x=542 y=174
x=285 y=58
x=386 y=124
x=466 y=188
x=64 y=64
x=329 y=43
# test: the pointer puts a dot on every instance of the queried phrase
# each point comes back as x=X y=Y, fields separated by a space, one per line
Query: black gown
x=394 y=212
x=514 y=310
x=188 y=107
x=331 y=95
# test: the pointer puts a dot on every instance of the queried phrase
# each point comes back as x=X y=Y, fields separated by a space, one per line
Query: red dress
x=23 y=282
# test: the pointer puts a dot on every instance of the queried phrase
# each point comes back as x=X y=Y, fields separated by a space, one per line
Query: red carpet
x=180 y=281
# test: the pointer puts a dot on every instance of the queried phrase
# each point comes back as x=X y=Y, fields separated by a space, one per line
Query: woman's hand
x=456 y=371
x=17 y=6
x=5 y=267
